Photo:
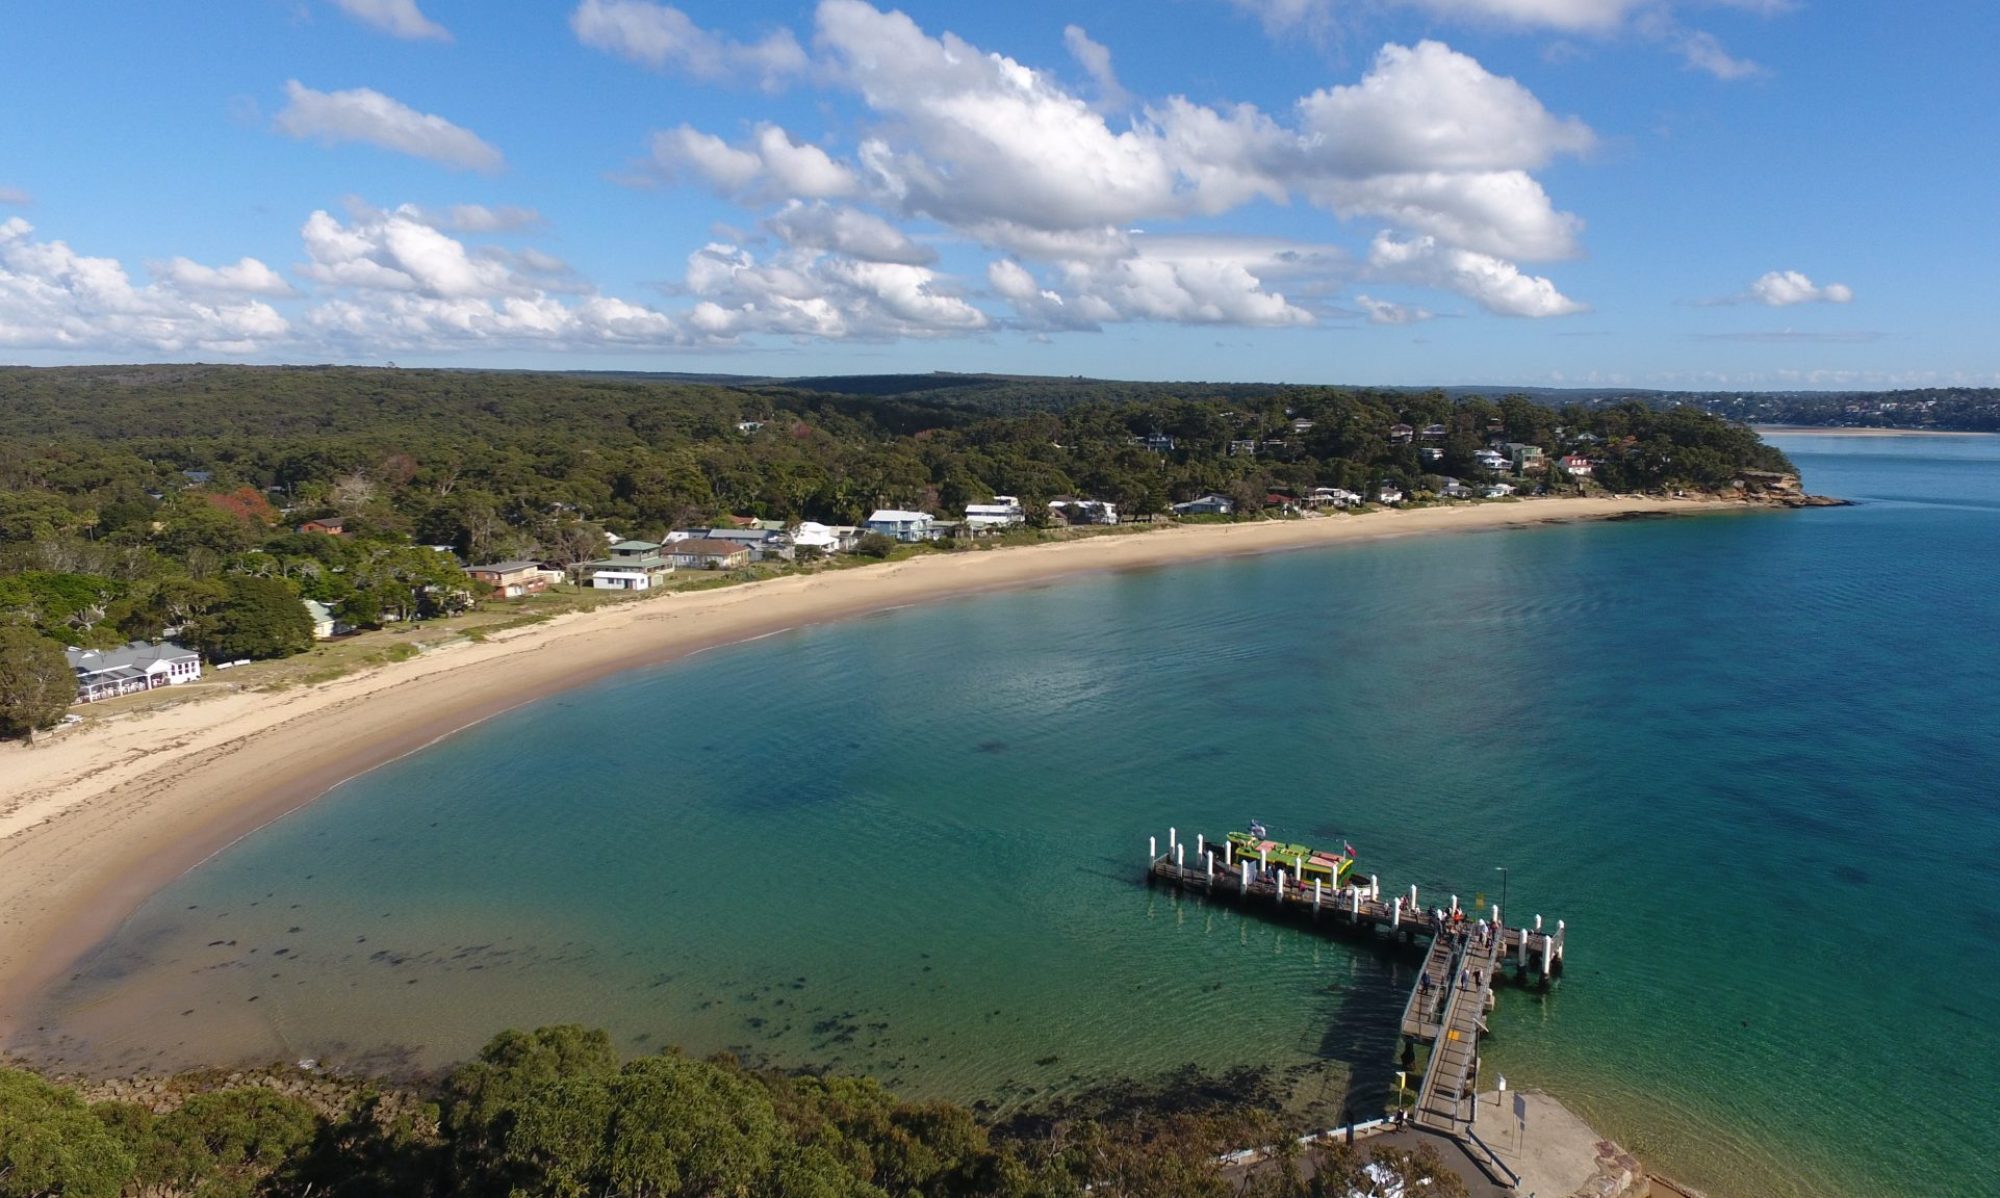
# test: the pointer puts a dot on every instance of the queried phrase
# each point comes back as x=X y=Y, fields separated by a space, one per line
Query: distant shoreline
x=98 y=820
x=1822 y=430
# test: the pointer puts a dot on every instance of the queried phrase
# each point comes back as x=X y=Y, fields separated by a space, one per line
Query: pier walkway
x=1466 y=956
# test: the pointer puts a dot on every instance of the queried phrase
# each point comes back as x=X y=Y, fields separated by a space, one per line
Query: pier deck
x=1465 y=958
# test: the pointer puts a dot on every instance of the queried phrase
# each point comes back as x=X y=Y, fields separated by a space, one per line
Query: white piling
x=1263 y=858
x=1208 y=863
x=1180 y=856
x=1374 y=887
x=1152 y=850
x=1243 y=879
x=1200 y=843
x=1395 y=916
x=1521 y=958
x=1454 y=904
x=1559 y=932
x=1229 y=852
x=1281 y=883
x=1316 y=895
x=1171 y=838
x=1496 y=915
x=1413 y=901
x=1538 y=923
x=1354 y=907
x=1547 y=947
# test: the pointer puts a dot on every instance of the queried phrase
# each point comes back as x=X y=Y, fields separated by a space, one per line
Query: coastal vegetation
x=205 y=503
x=555 y=1113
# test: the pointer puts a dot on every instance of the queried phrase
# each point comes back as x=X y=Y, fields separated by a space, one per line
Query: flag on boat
x=1348 y=847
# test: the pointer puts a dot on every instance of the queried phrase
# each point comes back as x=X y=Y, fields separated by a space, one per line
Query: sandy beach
x=94 y=821
x=1814 y=430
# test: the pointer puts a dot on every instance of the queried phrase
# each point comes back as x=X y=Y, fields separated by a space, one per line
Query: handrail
x=1513 y=1179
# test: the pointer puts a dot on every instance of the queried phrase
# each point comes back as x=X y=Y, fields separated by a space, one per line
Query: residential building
x=1432 y=432
x=705 y=554
x=1498 y=491
x=1491 y=459
x=325 y=625
x=813 y=535
x=1401 y=434
x=748 y=426
x=1206 y=505
x=1085 y=511
x=333 y=526
x=1577 y=465
x=1157 y=442
x=1336 y=497
x=131 y=668
x=763 y=543
x=1004 y=512
x=1244 y=447
x=1389 y=494
x=902 y=525
x=515 y=578
x=1451 y=488
x=1302 y=425
x=1431 y=454
x=1526 y=458
x=632 y=566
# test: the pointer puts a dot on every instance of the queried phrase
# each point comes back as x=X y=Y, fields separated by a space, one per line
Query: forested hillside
x=137 y=501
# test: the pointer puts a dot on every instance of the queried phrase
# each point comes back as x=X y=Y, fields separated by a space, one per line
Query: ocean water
x=1749 y=758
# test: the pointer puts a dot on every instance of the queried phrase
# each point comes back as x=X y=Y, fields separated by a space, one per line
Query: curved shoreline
x=99 y=820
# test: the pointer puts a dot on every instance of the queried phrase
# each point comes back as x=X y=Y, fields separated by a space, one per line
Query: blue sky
x=1652 y=193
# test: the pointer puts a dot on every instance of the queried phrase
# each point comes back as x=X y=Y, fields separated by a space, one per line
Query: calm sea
x=1749 y=758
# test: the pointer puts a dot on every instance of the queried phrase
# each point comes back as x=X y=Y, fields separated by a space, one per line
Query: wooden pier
x=1466 y=955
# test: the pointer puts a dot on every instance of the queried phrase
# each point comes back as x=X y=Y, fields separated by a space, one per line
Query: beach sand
x=1814 y=430
x=94 y=821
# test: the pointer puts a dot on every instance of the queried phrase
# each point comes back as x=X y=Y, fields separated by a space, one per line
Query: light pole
x=1503 y=890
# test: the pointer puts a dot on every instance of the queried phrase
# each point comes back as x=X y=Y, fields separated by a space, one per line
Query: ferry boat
x=1304 y=862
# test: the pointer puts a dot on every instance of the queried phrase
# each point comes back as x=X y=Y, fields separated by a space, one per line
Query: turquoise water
x=1748 y=758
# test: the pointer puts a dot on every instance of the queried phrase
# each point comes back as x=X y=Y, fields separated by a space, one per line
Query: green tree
x=36 y=684
x=50 y=1143
x=261 y=617
x=225 y=1144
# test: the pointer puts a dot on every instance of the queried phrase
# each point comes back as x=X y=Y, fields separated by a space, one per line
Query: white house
x=1085 y=511
x=1207 y=505
x=1577 y=465
x=1498 y=491
x=1389 y=495
x=325 y=626
x=810 y=534
x=1004 y=512
x=902 y=525
x=1336 y=496
x=130 y=668
x=1491 y=459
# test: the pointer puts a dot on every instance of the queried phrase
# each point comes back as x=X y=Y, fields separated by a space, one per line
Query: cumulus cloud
x=397 y=18
x=848 y=231
x=51 y=297
x=1385 y=312
x=479 y=218
x=248 y=276
x=1783 y=288
x=663 y=37
x=1184 y=280
x=807 y=294
x=399 y=282
x=1703 y=52
x=15 y=196
x=365 y=115
x=1494 y=284
x=770 y=165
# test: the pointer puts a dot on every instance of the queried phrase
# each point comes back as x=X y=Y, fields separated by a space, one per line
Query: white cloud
x=54 y=298
x=807 y=294
x=15 y=196
x=1493 y=283
x=479 y=218
x=662 y=37
x=247 y=277
x=1702 y=52
x=365 y=115
x=398 y=18
x=1576 y=16
x=403 y=284
x=1095 y=59
x=770 y=165
x=1183 y=280
x=1783 y=288
x=1430 y=108
x=1385 y=312
x=1496 y=212
x=846 y=231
